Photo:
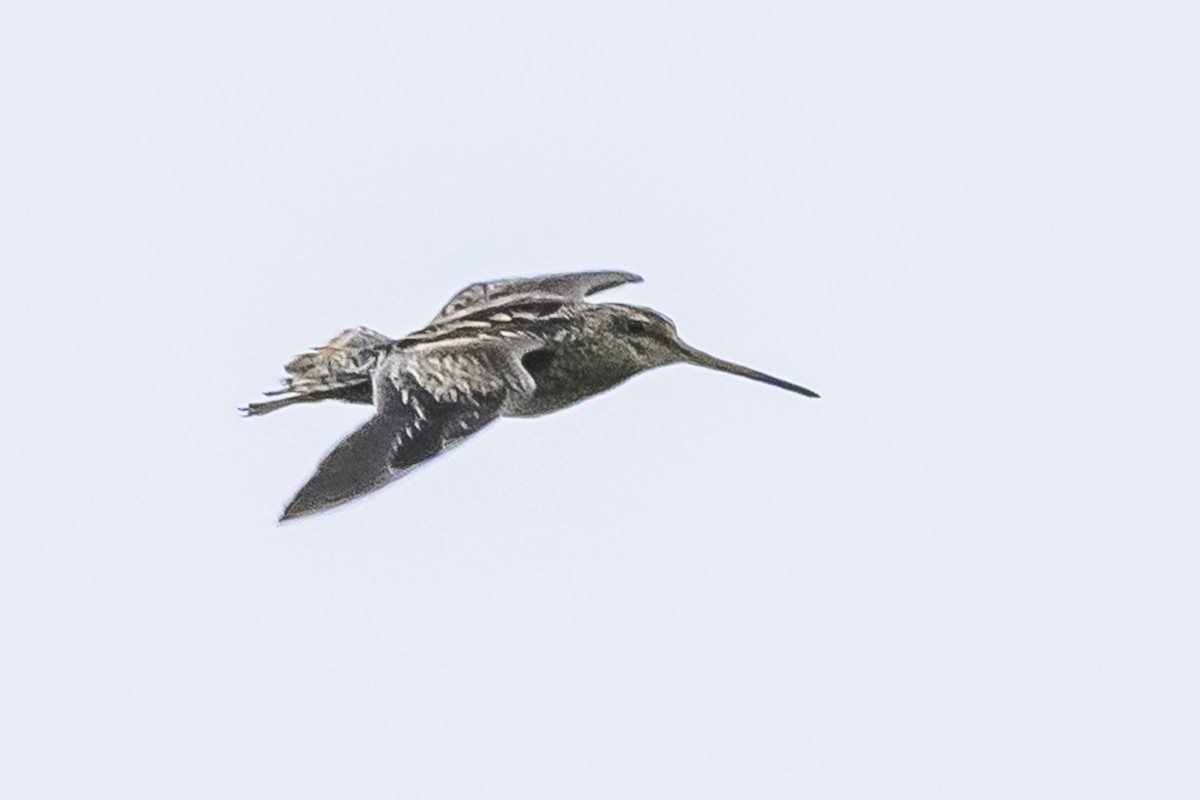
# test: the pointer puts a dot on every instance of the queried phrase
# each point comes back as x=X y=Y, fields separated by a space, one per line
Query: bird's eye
x=635 y=326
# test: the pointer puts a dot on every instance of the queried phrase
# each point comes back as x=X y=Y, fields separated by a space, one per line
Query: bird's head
x=649 y=339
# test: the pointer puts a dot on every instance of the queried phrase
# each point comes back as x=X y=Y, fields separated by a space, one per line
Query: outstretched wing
x=421 y=411
x=565 y=287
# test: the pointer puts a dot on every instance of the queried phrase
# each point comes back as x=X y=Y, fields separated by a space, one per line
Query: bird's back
x=521 y=315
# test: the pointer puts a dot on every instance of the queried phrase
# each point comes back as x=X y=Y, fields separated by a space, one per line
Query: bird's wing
x=565 y=287
x=421 y=410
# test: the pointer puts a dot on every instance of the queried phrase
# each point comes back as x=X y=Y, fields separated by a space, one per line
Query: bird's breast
x=564 y=376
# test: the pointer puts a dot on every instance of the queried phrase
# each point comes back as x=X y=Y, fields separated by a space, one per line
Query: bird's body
x=517 y=348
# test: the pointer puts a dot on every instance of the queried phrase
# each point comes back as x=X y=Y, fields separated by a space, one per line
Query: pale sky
x=968 y=571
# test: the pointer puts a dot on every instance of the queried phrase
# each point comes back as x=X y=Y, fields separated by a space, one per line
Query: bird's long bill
x=702 y=359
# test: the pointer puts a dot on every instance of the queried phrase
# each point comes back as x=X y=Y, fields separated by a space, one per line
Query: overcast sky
x=968 y=571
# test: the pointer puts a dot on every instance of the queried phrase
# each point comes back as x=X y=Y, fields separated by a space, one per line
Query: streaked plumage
x=513 y=348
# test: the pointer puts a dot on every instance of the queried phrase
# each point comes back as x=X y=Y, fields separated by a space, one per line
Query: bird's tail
x=338 y=370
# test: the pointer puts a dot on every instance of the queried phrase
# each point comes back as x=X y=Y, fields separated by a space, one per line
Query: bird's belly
x=561 y=385
x=545 y=402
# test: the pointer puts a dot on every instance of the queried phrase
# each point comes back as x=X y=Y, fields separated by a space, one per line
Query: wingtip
x=614 y=278
x=290 y=514
x=296 y=509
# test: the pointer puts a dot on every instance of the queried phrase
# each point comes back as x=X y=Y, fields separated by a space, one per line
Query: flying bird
x=508 y=348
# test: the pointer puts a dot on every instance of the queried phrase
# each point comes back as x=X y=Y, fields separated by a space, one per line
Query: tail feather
x=338 y=370
x=344 y=359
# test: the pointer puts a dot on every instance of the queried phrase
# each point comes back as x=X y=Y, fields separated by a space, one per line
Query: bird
x=517 y=347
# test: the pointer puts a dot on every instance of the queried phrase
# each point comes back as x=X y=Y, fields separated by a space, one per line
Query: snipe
x=509 y=348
